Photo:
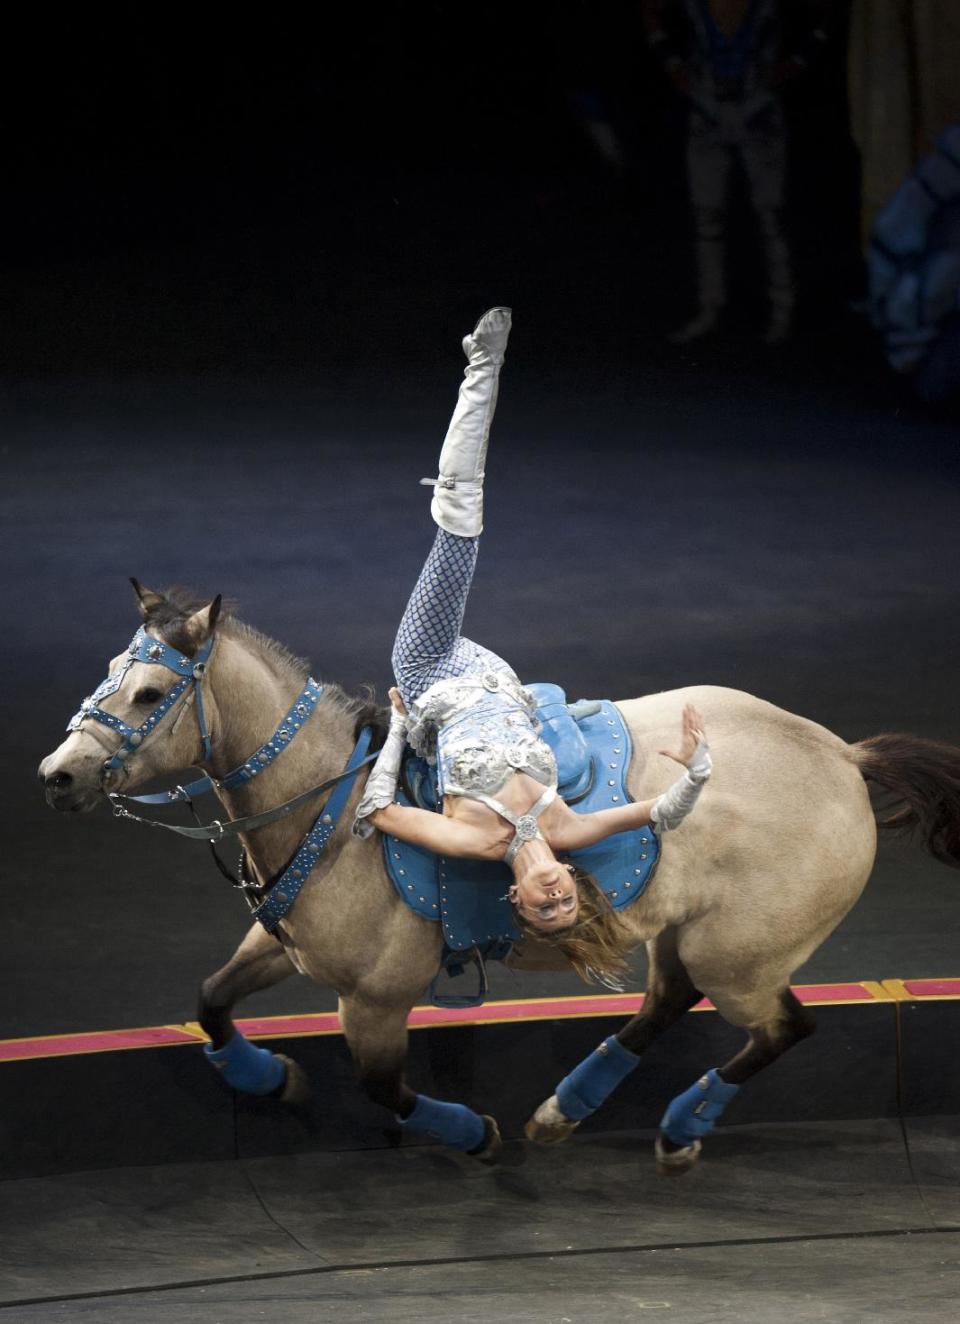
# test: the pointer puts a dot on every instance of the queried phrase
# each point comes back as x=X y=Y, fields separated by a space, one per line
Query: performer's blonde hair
x=598 y=945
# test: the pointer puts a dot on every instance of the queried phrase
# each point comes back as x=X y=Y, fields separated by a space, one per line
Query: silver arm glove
x=670 y=809
x=382 y=782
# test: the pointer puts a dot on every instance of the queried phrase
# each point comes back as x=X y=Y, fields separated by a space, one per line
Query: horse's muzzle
x=63 y=793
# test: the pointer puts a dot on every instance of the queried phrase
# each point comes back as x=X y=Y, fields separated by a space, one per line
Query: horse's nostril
x=58 y=781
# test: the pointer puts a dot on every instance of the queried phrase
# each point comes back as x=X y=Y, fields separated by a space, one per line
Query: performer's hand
x=398 y=704
x=692 y=734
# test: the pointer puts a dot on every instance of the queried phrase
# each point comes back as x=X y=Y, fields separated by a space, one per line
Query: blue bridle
x=281 y=892
x=145 y=648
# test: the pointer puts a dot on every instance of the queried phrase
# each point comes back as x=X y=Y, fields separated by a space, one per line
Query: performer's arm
x=579 y=830
x=665 y=812
x=381 y=785
x=436 y=832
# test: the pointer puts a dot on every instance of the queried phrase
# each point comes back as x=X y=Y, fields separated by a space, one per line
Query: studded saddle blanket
x=593 y=750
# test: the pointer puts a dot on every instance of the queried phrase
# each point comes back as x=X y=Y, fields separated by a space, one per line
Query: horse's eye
x=148 y=695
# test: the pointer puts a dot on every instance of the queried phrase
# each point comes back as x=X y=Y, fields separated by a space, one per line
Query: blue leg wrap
x=246 y=1067
x=595 y=1079
x=692 y=1114
x=452 y=1123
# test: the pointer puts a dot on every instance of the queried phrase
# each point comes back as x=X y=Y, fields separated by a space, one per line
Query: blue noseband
x=145 y=648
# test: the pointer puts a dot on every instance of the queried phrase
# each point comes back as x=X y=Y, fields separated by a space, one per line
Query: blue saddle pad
x=468 y=897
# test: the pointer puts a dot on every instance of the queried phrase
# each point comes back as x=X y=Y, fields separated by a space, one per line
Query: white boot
x=457 y=504
x=780 y=289
x=711 y=278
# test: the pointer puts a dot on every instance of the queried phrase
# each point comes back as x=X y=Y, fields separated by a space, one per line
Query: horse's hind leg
x=670 y=993
x=776 y=1021
x=258 y=963
x=376 y=1034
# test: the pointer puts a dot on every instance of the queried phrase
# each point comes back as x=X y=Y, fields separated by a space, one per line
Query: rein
x=217 y=831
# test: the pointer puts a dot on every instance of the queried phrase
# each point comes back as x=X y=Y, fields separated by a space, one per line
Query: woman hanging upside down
x=461 y=705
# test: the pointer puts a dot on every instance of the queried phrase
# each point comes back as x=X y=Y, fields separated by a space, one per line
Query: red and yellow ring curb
x=923 y=990
x=491 y=1013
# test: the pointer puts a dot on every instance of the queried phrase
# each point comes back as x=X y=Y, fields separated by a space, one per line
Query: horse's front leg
x=376 y=1034
x=670 y=993
x=259 y=962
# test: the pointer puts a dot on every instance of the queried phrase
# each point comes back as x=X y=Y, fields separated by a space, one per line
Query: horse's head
x=136 y=724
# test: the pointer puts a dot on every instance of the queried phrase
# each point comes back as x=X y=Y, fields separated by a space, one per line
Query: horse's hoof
x=296 y=1084
x=492 y=1142
x=673 y=1162
x=548 y=1126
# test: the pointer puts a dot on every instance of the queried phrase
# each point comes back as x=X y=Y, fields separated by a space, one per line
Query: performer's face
x=547 y=897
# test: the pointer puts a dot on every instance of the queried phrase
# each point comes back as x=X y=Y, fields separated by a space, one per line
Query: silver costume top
x=480 y=730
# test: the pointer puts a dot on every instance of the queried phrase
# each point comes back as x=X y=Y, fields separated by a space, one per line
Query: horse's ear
x=148 y=600
x=201 y=625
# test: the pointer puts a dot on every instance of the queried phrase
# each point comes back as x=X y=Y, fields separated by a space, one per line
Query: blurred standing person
x=730 y=59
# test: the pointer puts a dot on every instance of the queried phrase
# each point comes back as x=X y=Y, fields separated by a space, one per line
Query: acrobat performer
x=461 y=705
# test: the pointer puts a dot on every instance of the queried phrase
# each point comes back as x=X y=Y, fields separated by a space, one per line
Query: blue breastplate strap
x=284 y=892
x=297 y=716
x=145 y=648
x=467 y=896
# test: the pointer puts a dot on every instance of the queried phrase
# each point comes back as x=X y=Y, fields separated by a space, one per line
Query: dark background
x=204 y=201
x=237 y=264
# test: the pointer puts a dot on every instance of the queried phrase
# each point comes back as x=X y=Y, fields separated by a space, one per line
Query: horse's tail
x=923 y=777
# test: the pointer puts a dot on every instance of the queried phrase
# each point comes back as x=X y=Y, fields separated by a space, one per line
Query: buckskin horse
x=775 y=855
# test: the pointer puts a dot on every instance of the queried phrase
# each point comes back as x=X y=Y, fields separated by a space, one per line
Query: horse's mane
x=180 y=603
